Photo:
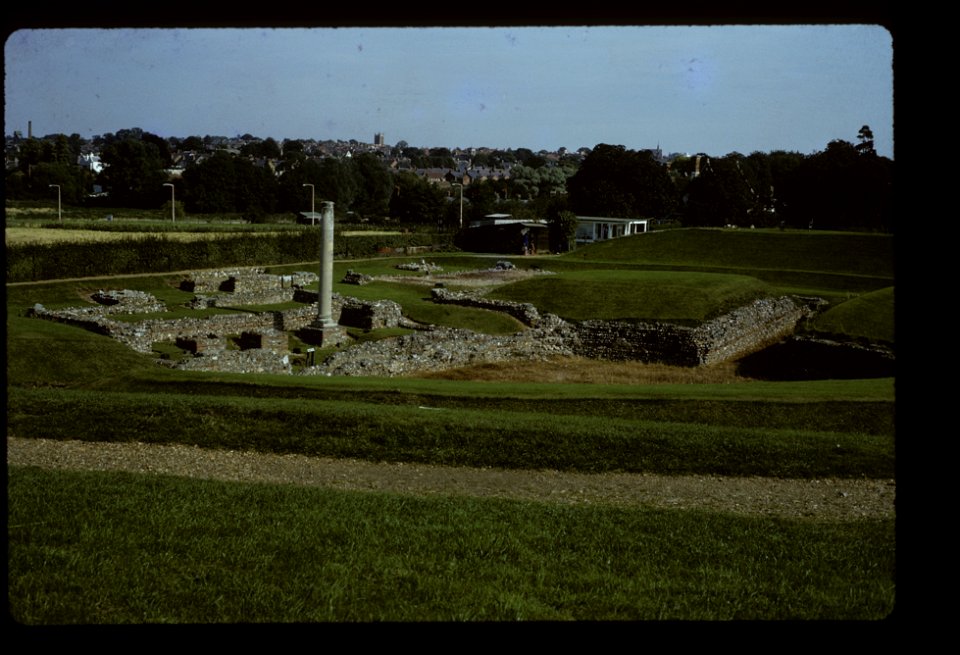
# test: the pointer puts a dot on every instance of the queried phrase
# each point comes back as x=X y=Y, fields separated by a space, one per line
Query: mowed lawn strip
x=119 y=548
x=456 y=437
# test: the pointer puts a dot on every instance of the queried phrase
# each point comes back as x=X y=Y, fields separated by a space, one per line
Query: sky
x=686 y=89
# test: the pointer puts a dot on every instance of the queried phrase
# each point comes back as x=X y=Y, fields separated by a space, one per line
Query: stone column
x=325 y=315
x=324 y=331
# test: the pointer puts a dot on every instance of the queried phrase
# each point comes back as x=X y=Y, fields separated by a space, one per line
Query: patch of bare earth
x=826 y=499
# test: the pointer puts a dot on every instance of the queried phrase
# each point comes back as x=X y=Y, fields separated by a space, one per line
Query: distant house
x=90 y=161
x=502 y=233
x=599 y=228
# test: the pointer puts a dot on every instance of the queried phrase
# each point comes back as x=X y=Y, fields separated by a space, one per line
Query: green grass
x=45 y=354
x=828 y=264
x=122 y=548
x=870 y=317
x=821 y=252
x=619 y=294
x=720 y=438
x=186 y=551
x=56 y=295
x=418 y=306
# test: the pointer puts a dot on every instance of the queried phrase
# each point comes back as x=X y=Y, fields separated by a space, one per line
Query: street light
x=311 y=203
x=173 y=203
x=59 y=213
x=461 y=203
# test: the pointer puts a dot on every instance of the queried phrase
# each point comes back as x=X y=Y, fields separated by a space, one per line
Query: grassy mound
x=823 y=252
x=870 y=317
x=635 y=295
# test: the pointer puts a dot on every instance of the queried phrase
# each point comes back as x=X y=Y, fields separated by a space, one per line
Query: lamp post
x=173 y=203
x=311 y=203
x=59 y=213
x=461 y=203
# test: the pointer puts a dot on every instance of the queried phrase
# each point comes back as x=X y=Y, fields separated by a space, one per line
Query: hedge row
x=160 y=254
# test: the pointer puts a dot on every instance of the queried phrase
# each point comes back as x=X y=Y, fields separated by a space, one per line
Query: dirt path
x=829 y=499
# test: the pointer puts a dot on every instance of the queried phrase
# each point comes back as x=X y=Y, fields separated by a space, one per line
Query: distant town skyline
x=712 y=89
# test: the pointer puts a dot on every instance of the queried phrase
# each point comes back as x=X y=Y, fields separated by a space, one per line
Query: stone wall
x=740 y=332
x=264 y=341
x=749 y=328
x=126 y=301
x=643 y=342
x=523 y=312
x=247 y=280
x=239 y=361
x=438 y=349
x=733 y=335
x=208 y=334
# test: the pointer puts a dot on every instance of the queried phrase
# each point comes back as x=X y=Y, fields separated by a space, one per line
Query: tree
x=266 y=149
x=525 y=181
x=336 y=180
x=163 y=148
x=720 y=194
x=133 y=172
x=865 y=136
x=375 y=185
x=191 y=143
x=270 y=149
x=614 y=181
x=563 y=230
x=483 y=197
x=209 y=187
x=290 y=145
x=529 y=182
x=842 y=187
x=416 y=201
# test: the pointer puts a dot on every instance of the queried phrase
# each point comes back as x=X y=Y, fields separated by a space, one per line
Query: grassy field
x=650 y=295
x=100 y=547
x=126 y=548
x=16 y=235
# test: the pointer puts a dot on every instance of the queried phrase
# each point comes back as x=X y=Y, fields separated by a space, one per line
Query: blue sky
x=712 y=89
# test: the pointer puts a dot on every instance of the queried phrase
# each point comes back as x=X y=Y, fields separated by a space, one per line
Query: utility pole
x=173 y=203
x=59 y=212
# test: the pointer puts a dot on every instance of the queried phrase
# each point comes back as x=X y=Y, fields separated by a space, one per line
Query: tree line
x=844 y=186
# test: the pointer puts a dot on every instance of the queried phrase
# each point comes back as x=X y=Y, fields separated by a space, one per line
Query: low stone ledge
x=526 y=313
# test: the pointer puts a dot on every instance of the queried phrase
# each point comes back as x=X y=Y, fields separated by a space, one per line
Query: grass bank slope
x=635 y=295
x=825 y=252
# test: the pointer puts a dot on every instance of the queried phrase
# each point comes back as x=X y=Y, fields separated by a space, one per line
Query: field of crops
x=17 y=235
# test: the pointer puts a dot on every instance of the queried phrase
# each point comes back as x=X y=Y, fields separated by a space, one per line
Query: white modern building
x=600 y=228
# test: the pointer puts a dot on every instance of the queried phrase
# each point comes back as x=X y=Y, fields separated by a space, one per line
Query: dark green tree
x=192 y=144
x=865 y=145
x=483 y=198
x=563 y=230
x=266 y=149
x=614 y=181
x=843 y=188
x=133 y=172
x=210 y=186
x=375 y=186
x=163 y=148
x=416 y=201
x=720 y=195
x=336 y=180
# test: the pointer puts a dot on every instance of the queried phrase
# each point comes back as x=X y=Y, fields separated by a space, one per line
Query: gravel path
x=830 y=499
